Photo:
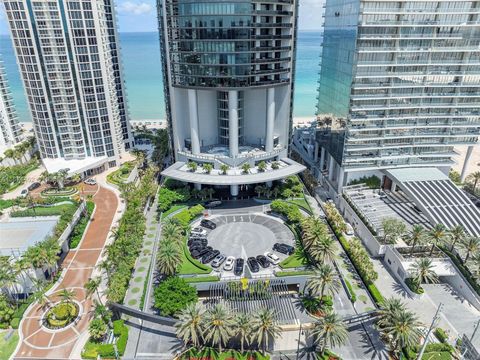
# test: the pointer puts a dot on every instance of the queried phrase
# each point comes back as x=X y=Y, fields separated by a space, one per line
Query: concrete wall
x=463 y=288
x=363 y=233
x=254 y=115
x=180 y=117
x=282 y=113
x=207 y=117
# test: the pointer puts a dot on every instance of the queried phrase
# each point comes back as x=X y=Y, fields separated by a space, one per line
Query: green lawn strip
x=4 y=204
x=210 y=353
x=44 y=210
x=172 y=210
x=297 y=259
x=294 y=273
x=119 y=176
x=192 y=266
x=7 y=347
x=79 y=229
x=14 y=176
x=198 y=279
x=145 y=285
x=302 y=203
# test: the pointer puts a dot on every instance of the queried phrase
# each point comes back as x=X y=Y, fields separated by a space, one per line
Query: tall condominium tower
x=69 y=60
x=228 y=76
x=399 y=86
x=10 y=131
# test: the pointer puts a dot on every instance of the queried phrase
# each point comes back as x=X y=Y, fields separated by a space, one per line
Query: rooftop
x=74 y=166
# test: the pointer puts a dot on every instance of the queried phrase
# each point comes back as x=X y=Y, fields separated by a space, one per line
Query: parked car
x=229 y=263
x=283 y=248
x=24 y=193
x=202 y=241
x=213 y=203
x=198 y=231
x=238 y=269
x=34 y=186
x=210 y=256
x=198 y=253
x=90 y=181
x=274 y=259
x=208 y=224
x=218 y=261
x=263 y=261
x=253 y=264
x=349 y=231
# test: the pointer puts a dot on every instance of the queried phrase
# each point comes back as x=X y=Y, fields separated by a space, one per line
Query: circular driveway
x=247 y=235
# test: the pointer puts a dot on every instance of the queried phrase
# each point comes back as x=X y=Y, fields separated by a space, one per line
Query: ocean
x=143 y=76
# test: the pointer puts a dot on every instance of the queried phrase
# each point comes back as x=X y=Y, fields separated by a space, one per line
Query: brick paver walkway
x=40 y=342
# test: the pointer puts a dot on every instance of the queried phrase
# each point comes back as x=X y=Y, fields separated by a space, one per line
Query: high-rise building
x=69 y=60
x=228 y=71
x=10 y=131
x=399 y=85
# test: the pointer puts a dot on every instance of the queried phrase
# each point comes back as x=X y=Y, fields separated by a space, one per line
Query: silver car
x=219 y=259
x=229 y=264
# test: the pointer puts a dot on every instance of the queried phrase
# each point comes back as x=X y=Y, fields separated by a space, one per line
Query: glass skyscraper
x=10 y=131
x=228 y=77
x=399 y=85
x=69 y=62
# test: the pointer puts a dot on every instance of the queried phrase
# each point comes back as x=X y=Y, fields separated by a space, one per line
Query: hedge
x=353 y=296
x=198 y=279
x=79 y=229
x=92 y=349
x=465 y=272
x=294 y=273
x=441 y=335
x=376 y=295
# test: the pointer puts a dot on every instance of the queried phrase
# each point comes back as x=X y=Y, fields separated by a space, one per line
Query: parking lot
x=247 y=235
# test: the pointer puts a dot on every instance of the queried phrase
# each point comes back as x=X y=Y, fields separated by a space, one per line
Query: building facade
x=10 y=131
x=399 y=86
x=228 y=78
x=68 y=54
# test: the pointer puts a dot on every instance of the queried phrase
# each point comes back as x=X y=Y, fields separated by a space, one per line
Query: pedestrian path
x=139 y=281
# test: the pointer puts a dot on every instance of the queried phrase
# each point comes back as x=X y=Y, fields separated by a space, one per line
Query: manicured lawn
x=302 y=203
x=7 y=346
x=172 y=210
x=121 y=175
x=5 y=204
x=45 y=211
x=295 y=260
x=14 y=176
x=443 y=355
x=192 y=266
x=198 y=279
x=293 y=273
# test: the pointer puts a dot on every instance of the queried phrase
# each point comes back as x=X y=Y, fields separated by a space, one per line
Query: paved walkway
x=36 y=340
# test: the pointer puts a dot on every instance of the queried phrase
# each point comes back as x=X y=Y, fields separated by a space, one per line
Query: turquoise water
x=142 y=70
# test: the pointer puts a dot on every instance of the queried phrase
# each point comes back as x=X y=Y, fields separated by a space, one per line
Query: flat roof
x=416 y=174
x=74 y=166
x=18 y=234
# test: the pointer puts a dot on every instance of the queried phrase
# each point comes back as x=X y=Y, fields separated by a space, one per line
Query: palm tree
x=262 y=166
x=314 y=230
x=388 y=307
x=275 y=165
x=416 y=236
x=189 y=325
x=210 y=192
x=324 y=281
x=243 y=327
x=324 y=251
x=67 y=295
x=329 y=331
x=259 y=189
x=392 y=230
x=100 y=311
x=218 y=326
x=172 y=231
x=475 y=265
x=471 y=245
x=207 y=168
x=436 y=235
x=192 y=166
x=457 y=234
x=474 y=177
x=92 y=286
x=169 y=257
x=246 y=168
x=265 y=327
x=224 y=168
x=402 y=330
x=422 y=271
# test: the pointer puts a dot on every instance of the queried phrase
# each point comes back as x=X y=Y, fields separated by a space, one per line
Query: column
x=315 y=152
x=322 y=157
x=234 y=190
x=341 y=176
x=193 y=111
x=270 y=119
x=233 y=122
x=197 y=186
x=331 y=168
x=466 y=163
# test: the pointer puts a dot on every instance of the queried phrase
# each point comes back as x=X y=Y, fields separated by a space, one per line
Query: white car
x=274 y=259
x=90 y=181
x=350 y=231
x=198 y=231
x=24 y=193
x=229 y=263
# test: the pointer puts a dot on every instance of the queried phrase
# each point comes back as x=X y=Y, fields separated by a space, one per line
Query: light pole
x=471 y=338
x=434 y=321
x=298 y=342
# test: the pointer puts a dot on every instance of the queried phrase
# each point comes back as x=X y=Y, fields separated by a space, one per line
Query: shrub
x=414 y=286
x=186 y=216
x=373 y=182
x=118 y=326
x=14 y=323
x=290 y=211
x=173 y=295
x=376 y=295
x=79 y=229
x=167 y=197
x=353 y=296
x=441 y=335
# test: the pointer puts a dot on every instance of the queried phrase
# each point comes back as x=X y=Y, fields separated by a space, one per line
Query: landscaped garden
x=121 y=175
x=79 y=229
x=8 y=343
x=14 y=176
x=61 y=315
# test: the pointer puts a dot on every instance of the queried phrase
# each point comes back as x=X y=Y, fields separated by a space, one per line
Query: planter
x=61 y=315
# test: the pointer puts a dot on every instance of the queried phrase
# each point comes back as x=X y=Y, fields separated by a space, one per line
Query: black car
x=198 y=253
x=283 y=248
x=253 y=264
x=238 y=268
x=208 y=224
x=196 y=247
x=263 y=261
x=197 y=241
x=213 y=203
x=210 y=256
x=34 y=186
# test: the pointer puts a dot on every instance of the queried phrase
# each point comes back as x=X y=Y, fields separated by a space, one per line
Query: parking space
x=247 y=235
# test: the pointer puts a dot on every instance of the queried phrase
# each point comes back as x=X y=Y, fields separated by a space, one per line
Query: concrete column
x=193 y=111
x=269 y=184
x=341 y=176
x=234 y=190
x=466 y=163
x=331 y=168
x=322 y=157
x=270 y=119
x=393 y=188
x=233 y=122
x=198 y=186
x=315 y=152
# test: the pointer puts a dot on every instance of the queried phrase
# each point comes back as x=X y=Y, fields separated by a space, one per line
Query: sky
x=140 y=16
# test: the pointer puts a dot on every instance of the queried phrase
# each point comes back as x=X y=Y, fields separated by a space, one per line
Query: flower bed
x=119 y=176
x=61 y=315
x=66 y=191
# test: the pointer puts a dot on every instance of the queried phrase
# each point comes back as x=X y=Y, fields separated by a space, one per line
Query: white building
x=228 y=71
x=10 y=131
x=69 y=60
